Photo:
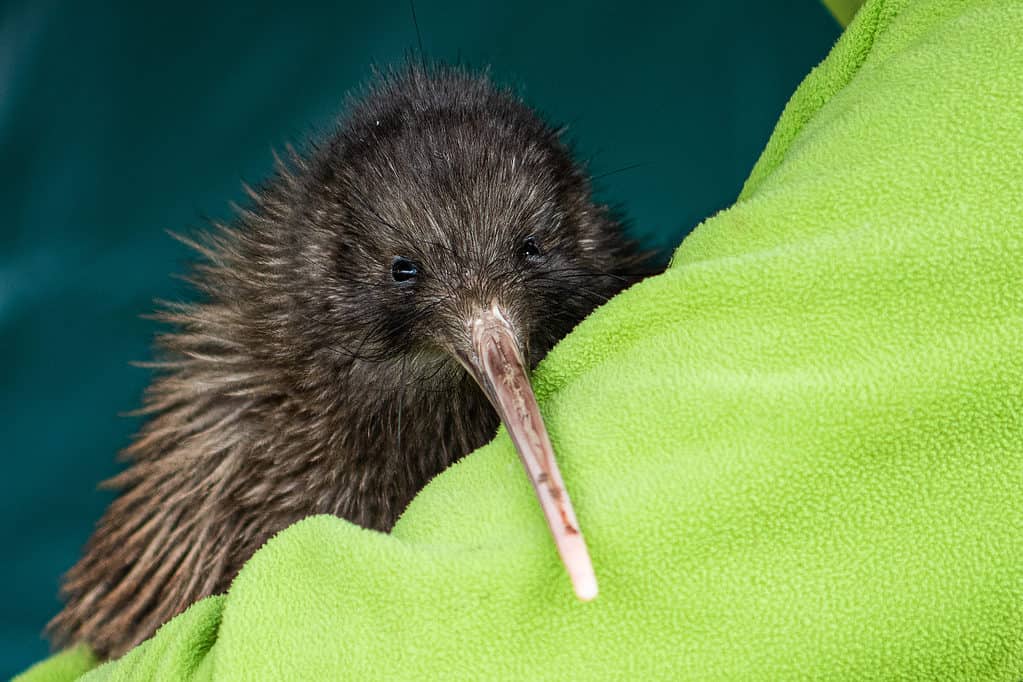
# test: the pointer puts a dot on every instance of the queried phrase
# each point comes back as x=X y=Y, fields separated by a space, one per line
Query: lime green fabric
x=797 y=454
x=67 y=665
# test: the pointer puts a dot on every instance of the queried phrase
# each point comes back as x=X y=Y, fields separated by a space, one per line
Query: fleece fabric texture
x=797 y=454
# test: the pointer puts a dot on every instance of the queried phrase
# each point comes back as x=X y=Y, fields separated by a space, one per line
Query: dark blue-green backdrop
x=119 y=121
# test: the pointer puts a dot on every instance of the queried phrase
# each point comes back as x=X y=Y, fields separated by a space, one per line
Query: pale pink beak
x=497 y=365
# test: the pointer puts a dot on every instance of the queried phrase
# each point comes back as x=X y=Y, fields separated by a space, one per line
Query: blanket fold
x=795 y=455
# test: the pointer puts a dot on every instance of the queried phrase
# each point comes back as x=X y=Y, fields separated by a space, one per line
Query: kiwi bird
x=363 y=322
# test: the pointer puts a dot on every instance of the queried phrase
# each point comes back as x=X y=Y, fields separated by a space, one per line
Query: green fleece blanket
x=797 y=454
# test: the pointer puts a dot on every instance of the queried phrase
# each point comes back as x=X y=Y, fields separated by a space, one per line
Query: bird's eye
x=531 y=248
x=404 y=270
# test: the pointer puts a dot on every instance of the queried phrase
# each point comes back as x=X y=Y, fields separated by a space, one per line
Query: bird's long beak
x=496 y=362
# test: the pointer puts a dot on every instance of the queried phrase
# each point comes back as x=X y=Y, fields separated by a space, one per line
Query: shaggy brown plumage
x=315 y=375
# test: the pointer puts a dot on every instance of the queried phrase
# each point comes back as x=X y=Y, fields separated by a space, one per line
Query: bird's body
x=323 y=368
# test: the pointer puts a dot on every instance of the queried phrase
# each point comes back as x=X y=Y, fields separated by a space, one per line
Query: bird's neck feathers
x=323 y=434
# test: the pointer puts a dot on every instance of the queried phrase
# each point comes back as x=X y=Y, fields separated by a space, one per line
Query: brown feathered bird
x=443 y=226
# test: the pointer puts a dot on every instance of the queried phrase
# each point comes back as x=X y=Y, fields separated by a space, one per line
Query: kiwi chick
x=319 y=371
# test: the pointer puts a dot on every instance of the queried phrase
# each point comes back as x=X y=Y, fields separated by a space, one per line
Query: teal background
x=119 y=121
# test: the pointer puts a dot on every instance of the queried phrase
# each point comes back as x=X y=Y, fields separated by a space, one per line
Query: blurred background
x=119 y=121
